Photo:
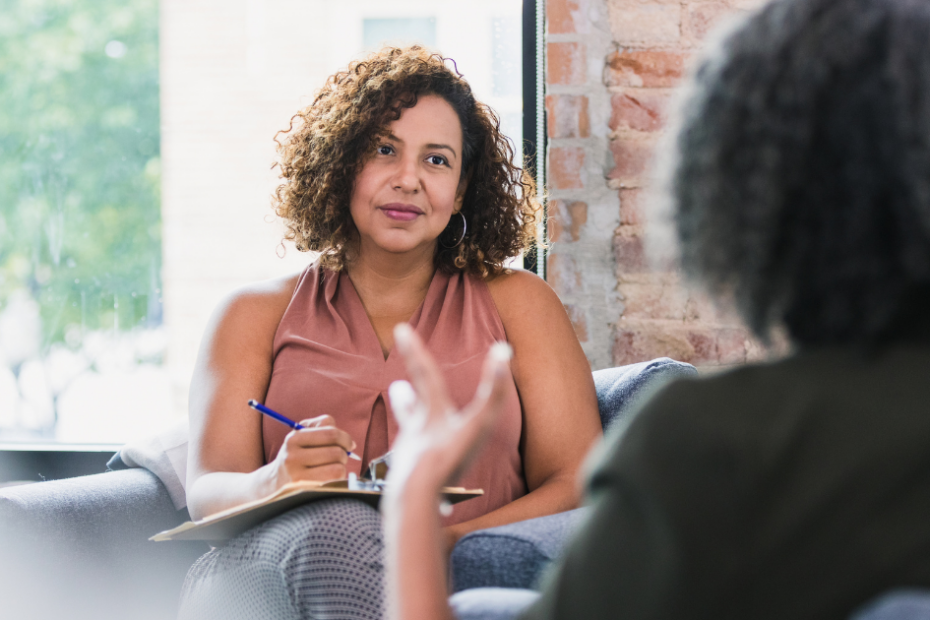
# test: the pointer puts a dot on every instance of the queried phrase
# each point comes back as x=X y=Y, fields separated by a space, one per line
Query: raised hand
x=436 y=441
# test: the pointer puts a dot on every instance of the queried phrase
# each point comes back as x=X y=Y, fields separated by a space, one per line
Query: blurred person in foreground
x=799 y=183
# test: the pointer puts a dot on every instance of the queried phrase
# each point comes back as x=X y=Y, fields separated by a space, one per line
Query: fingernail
x=501 y=352
x=403 y=334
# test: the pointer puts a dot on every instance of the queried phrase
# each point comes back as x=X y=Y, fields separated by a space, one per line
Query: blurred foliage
x=80 y=224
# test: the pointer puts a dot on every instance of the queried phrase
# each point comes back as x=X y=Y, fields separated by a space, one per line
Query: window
x=80 y=229
x=398 y=31
x=136 y=181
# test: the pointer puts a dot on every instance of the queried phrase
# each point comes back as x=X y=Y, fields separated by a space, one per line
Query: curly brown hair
x=329 y=141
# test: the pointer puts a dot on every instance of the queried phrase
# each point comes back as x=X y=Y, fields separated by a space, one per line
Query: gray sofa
x=78 y=548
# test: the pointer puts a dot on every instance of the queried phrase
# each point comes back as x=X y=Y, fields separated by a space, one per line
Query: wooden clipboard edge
x=453 y=494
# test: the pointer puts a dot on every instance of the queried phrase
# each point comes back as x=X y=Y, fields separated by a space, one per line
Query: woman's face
x=405 y=194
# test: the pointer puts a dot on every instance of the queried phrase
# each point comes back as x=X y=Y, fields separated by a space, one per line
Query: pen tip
x=252 y=402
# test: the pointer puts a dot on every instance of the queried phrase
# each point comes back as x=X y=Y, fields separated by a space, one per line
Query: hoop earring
x=462 y=238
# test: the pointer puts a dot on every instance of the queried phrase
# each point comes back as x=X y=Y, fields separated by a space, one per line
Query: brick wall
x=611 y=68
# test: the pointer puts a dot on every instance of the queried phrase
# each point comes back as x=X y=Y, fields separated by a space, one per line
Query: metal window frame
x=34 y=462
x=534 y=119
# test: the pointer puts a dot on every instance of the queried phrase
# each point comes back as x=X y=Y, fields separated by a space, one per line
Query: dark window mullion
x=534 y=115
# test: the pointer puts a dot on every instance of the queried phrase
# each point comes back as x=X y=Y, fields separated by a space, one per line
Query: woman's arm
x=226 y=456
x=557 y=394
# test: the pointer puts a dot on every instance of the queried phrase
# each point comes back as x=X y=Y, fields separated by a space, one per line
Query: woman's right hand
x=318 y=452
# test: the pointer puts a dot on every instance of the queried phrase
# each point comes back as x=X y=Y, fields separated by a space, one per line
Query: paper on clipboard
x=232 y=522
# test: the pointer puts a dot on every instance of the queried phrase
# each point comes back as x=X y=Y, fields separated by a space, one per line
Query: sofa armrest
x=621 y=390
x=79 y=547
x=514 y=555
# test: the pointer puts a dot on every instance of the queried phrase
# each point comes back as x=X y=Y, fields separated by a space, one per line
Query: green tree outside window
x=80 y=225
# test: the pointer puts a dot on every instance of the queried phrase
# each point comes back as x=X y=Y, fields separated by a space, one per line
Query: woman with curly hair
x=405 y=186
x=798 y=488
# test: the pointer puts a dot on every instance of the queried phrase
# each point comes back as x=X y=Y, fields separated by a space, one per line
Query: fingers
x=318 y=457
x=404 y=405
x=424 y=374
x=319 y=435
x=316 y=454
x=322 y=473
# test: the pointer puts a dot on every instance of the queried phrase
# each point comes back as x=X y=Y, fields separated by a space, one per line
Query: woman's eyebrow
x=442 y=146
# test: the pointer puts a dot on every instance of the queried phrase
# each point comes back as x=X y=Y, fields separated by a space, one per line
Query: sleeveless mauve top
x=327 y=360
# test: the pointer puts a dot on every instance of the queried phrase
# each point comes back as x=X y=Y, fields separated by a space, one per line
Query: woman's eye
x=385 y=149
x=437 y=160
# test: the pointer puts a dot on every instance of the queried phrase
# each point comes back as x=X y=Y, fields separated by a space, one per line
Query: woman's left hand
x=436 y=441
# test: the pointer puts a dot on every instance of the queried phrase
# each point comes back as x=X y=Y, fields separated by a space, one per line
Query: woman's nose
x=407 y=176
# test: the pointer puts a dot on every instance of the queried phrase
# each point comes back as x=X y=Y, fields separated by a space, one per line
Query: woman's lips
x=401 y=212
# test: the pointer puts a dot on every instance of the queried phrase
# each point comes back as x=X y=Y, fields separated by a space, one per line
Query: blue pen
x=271 y=413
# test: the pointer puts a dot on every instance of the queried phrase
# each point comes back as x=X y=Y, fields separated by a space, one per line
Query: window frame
x=535 y=136
x=37 y=461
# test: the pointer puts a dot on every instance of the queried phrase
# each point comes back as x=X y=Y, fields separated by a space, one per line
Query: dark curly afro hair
x=802 y=176
x=329 y=141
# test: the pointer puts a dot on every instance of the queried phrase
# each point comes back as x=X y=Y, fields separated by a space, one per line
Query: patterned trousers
x=323 y=561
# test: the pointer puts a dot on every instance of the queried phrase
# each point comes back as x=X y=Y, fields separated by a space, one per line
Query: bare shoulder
x=265 y=296
x=522 y=296
x=254 y=309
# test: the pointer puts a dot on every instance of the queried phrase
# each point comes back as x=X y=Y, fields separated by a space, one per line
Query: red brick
x=701 y=308
x=553 y=223
x=579 y=321
x=700 y=19
x=632 y=159
x=629 y=253
x=648 y=23
x=704 y=345
x=570 y=217
x=637 y=341
x=565 y=166
x=567 y=116
x=640 y=342
x=654 y=300
x=623 y=351
x=639 y=110
x=732 y=345
x=631 y=207
x=562 y=274
x=648 y=69
x=564 y=16
x=566 y=63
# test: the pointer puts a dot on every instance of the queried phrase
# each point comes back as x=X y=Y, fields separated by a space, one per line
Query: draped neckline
x=371 y=335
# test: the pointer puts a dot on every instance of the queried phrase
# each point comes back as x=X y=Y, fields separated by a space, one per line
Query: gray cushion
x=621 y=389
x=511 y=556
x=515 y=555
x=79 y=548
x=904 y=604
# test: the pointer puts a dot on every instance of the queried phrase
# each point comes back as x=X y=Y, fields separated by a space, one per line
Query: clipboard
x=233 y=521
